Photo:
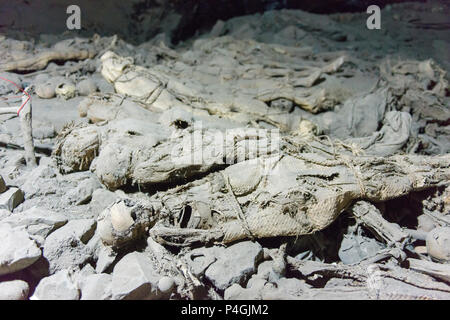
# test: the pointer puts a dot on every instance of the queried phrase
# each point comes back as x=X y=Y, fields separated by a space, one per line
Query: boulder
x=67 y=247
x=60 y=286
x=17 y=250
x=82 y=194
x=97 y=287
x=355 y=248
x=235 y=265
x=135 y=278
x=105 y=258
x=14 y=290
x=200 y=259
x=11 y=198
x=101 y=199
x=37 y=221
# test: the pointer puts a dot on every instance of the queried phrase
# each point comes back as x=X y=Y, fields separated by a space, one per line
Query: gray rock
x=259 y=289
x=357 y=248
x=37 y=221
x=86 y=87
x=236 y=292
x=101 y=199
x=82 y=194
x=80 y=276
x=11 y=198
x=135 y=278
x=218 y=29
x=6 y=87
x=266 y=272
x=17 y=250
x=59 y=286
x=292 y=286
x=425 y=223
x=438 y=244
x=104 y=86
x=237 y=263
x=38 y=182
x=2 y=185
x=166 y=285
x=256 y=282
x=14 y=290
x=200 y=259
x=97 y=287
x=105 y=258
x=67 y=247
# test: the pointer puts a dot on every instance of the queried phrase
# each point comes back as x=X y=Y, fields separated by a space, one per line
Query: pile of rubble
x=283 y=155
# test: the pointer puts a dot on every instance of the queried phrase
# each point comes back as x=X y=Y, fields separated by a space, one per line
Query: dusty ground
x=357 y=120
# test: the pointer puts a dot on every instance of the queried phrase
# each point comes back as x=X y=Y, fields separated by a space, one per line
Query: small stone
x=218 y=29
x=17 y=250
x=236 y=292
x=11 y=198
x=237 y=263
x=354 y=248
x=14 y=290
x=438 y=244
x=59 y=286
x=80 y=277
x=105 y=258
x=200 y=259
x=425 y=223
x=82 y=194
x=101 y=199
x=266 y=272
x=37 y=221
x=97 y=287
x=38 y=181
x=134 y=278
x=86 y=87
x=292 y=286
x=166 y=285
x=67 y=247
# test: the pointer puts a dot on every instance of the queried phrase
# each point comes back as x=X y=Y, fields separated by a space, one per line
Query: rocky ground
x=324 y=161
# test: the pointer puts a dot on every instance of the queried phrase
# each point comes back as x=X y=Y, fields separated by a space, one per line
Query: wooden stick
x=25 y=117
x=10 y=110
